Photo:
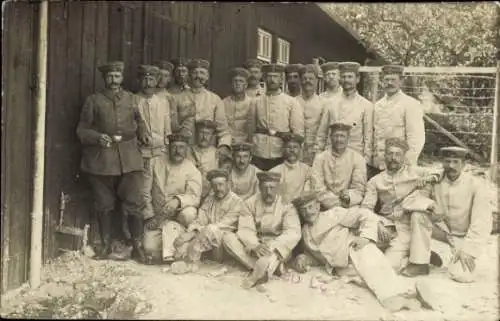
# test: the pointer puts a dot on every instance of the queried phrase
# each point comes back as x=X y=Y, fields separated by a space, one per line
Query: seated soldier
x=217 y=216
x=204 y=154
x=178 y=202
x=329 y=240
x=295 y=175
x=243 y=174
x=399 y=192
x=463 y=207
x=268 y=230
x=339 y=172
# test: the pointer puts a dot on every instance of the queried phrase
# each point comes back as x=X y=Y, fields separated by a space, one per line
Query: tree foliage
x=438 y=34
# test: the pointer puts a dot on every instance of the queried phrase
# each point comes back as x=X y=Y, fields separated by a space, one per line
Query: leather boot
x=136 y=230
x=413 y=269
x=105 y=233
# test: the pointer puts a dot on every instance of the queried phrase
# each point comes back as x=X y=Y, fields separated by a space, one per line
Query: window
x=264 y=45
x=283 y=56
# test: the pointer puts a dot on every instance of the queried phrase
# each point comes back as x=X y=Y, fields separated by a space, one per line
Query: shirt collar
x=395 y=96
x=111 y=95
x=291 y=165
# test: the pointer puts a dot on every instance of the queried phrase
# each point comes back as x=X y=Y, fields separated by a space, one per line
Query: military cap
x=180 y=62
x=396 y=142
x=349 y=66
x=304 y=199
x=393 y=69
x=178 y=137
x=198 y=63
x=292 y=68
x=252 y=62
x=112 y=66
x=291 y=137
x=327 y=66
x=242 y=147
x=214 y=173
x=308 y=68
x=340 y=126
x=165 y=65
x=454 y=151
x=242 y=72
x=205 y=123
x=273 y=68
x=268 y=177
x=148 y=70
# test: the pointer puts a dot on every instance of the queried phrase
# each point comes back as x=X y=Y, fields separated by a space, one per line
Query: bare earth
x=162 y=295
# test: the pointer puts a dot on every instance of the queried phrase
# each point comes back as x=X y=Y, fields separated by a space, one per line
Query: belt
x=270 y=132
x=122 y=138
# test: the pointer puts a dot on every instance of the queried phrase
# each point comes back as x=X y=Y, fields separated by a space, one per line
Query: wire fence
x=461 y=100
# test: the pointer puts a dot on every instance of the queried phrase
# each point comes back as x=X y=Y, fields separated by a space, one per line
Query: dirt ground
x=76 y=281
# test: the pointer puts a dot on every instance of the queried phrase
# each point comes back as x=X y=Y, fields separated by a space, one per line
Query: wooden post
x=39 y=149
x=494 y=132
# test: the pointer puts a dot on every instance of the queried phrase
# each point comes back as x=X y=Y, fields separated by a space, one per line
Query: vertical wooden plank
x=114 y=31
x=88 y=47
x=146 y=32
x=136 y=44
x=101 y=41
x=126 y=43
x=57 y=60
x=174 y=35
x=167 y=29
x=181 y=19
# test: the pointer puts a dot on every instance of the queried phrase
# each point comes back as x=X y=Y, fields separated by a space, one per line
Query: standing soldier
x=331 y=76
x=254 y=67
x=350 y=108
x=165 y=82
x=238 y=105
x=313 y=110
x=181 y=74
x=243 y=174
x=273 y=114
x=396 y=115
x=293 y=79
x=109 y=129
x=155 y=111
x=199 y=103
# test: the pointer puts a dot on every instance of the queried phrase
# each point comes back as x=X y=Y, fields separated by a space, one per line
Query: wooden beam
x=494 y=132
x=457 y=141
x=438 y=70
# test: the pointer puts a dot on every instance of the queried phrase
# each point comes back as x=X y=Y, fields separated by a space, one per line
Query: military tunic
x=328 y=95
x=174 y=126
x=277 y=225
x=295 y=179
x=356 y=111
x=333 y=173
x=313 y=110
x=237 y=114
x=245 y=184
x=398 y=116
x=255 y=92
x=205 y=159
x=114 y=114
x=193 y=107
x=279 y=113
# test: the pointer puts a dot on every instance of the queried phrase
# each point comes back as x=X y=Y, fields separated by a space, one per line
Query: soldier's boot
x=136 y=231
x=436 y=259
x=105 y=233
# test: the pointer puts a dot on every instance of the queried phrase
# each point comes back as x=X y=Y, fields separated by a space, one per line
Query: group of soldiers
x=274 y=179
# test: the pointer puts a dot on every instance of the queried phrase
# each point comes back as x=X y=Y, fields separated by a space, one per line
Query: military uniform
x=313 y=110
x=354 y=110
x=115 y=171
x=182 y=181
x=295 y=177
x=328 y=95
x=277 y=226
x=155 y=110
x=237 y=111
x=203 y=105
x=216 y=218
x=166 y=65
x=178 y=88
x=272 y=115
x=397 y=116
x=244 y=184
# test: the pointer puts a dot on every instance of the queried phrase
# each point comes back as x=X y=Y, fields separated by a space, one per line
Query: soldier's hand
x=184 y=238
x=359 y=243
x=152 y=223
x=172 y=205
x=262 y=250
x=105 y=140
x=424 y=181
x=384 y=234
x=147 y=140
x=467 y=261
x=345 y=199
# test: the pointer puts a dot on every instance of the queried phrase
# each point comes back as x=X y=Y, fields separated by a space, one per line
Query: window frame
x=281 y=44
x=261 y=37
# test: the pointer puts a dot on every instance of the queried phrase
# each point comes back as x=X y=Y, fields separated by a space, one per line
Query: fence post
x=494 y=134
